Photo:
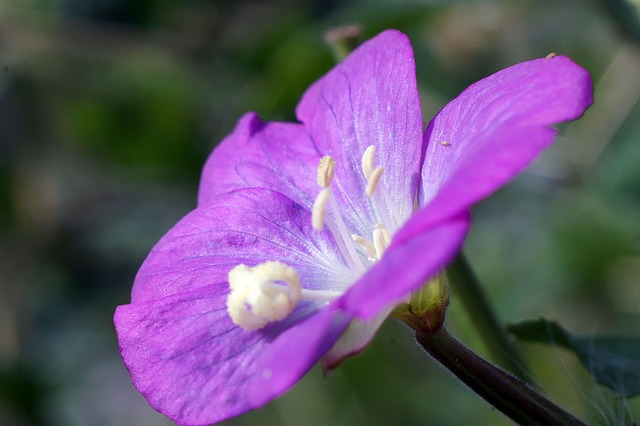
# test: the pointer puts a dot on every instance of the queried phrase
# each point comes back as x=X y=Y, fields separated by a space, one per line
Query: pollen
x=381 y=239
x=373 y=180
x=368 y=164
x=262 y=294
x=357 y=251
x=366 y=245
x=326 y=170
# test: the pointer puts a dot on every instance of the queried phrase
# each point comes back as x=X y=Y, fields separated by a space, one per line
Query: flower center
x=266 y=293
x=270 y=291
x=381 y=238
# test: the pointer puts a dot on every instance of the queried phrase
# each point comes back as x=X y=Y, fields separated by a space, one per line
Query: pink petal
x=494 y=129
x=369 y=99
x=293 y=353
x=186 y=356
x=248 y=226
x=176 y=338
x=405 y=267
x=277 y=156
x=195 y=366
x=353 y=340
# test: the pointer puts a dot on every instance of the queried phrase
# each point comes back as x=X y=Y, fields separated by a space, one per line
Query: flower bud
x=425 y=311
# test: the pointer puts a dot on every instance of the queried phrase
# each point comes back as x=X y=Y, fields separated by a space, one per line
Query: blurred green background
x=109 y=108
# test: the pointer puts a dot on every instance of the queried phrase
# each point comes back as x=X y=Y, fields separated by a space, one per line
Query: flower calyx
x=426 y=308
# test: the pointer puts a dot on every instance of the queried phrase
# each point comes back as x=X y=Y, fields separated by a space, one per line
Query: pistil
x=268 y=292
x=262 y=294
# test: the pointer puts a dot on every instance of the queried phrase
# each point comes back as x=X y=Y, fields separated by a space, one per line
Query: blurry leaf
x=138 y=116
x=20 y=391
x=626 y=14
x=613 y=361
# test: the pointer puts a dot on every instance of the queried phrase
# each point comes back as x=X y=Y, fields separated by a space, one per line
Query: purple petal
x=369 y=99
x=195 y=366
x=495 y=128
x=186 y=356
x=248 y=226
x=182 y=350
x=353 y=340
x=405 y=267
x=277 y=156
x=293 y=353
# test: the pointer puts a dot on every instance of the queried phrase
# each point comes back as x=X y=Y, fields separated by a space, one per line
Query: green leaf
x=613 y=361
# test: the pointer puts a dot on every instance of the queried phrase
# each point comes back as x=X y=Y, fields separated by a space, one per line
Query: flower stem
x=343 y=40
x=513 y=397
x=466 y=286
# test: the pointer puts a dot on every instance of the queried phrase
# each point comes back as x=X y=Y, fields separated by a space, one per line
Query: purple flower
x=307 y=235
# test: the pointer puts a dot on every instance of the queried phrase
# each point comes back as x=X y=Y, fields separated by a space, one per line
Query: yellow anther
x=382 y=227
x=262 y=294
x=373 y=179
x=379 y=243
x=381 y=239
x=326 y=170
x=319 y=209
x=366 y=245
x=368 y=161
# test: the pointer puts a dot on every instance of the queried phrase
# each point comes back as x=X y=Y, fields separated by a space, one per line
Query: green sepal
x=425 y=311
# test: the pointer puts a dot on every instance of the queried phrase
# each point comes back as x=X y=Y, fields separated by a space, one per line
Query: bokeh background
x=109 y=108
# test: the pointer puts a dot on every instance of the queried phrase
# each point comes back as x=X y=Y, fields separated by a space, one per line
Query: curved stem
x=513 y=397
x=466 y=286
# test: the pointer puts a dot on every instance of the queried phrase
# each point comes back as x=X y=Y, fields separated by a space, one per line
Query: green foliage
x=613 y=361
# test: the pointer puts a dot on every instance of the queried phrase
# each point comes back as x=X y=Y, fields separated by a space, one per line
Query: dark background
x=109 y=108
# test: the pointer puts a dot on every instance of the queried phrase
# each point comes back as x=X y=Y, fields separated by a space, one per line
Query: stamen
x=373 y=179
x=385 y=232
x=326 y=170
x=337 y=228
x=390 y=217
x=318 y=212
x=320 y=295
x=366 y=245
x=266 y=293
x=373 y=174
x=381 y=239
x=368 y=161
x=343 y=239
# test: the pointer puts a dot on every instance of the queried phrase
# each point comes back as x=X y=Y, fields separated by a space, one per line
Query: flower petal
x=355 y=338
x=293 y=353
x=186 y=356
x=177 y=340
x=405 y=267
x=369 y=99
x=495 y=128
x=248 y=226
x=258 y=154
x=195 y=366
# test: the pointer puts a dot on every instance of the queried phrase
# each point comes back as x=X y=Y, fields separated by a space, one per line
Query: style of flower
x=307 y=235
